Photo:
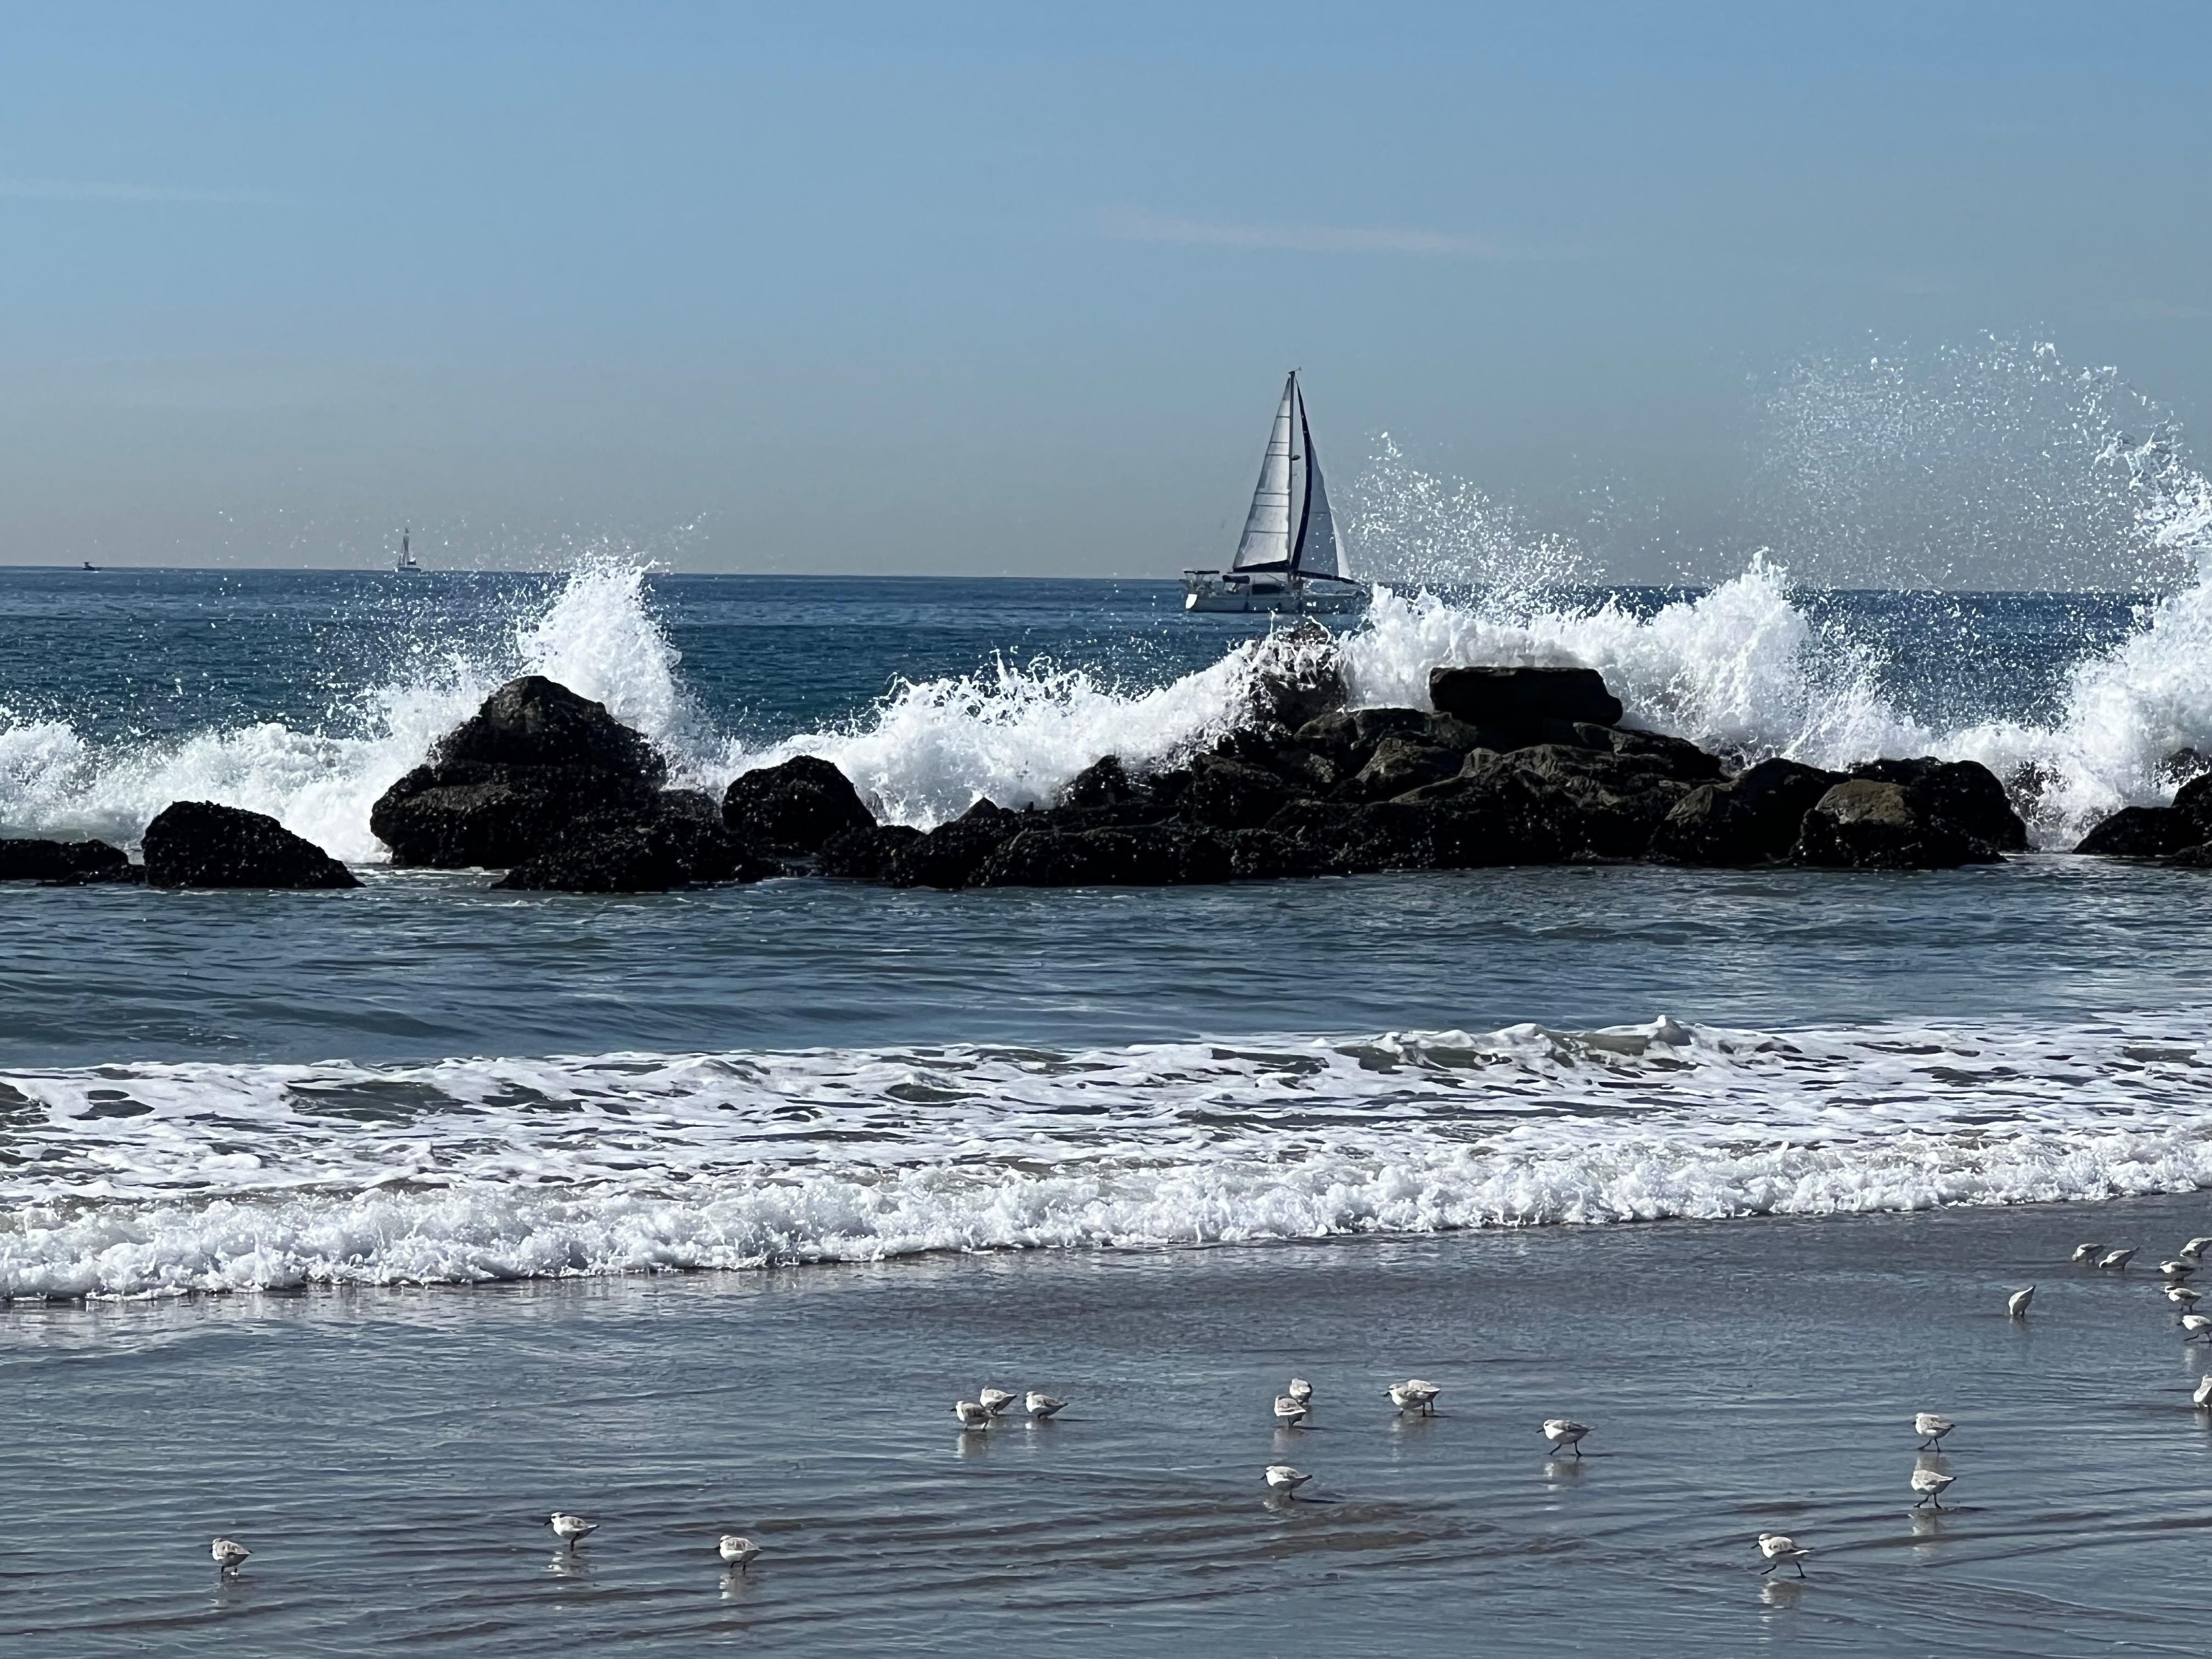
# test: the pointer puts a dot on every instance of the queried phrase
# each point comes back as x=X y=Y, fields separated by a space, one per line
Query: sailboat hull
x=1236 y=591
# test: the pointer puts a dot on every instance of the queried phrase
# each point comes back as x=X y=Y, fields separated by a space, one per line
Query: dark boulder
x=1103 y=782
x=197 y=843
x=951 y=854
x=1864 y=823
x=535 y=721
x=1264 y=855
x=2192 y=804
x=1752 y=818
x=2140 y=832
x=1149 y=855
x=1231 y=794
x=1679 y=757
x=793 y=807
x=1523 y=697
x=1400 y=764
x=457 y=815
x=1965 y=794
x=864 y=855
x=1299 y=677
x=77 y=863
x=1500 y=816
x=1348 y=736
x=506 y=783
x=679 y=840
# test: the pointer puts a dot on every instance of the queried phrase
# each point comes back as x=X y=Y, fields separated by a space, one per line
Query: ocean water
x=462 y=1139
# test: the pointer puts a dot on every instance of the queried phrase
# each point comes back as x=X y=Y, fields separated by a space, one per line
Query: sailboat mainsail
x=1290 y=528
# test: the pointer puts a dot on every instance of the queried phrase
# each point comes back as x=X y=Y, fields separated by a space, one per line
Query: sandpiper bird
x=1300 y=1390
x=2197 y=1246
x=1040 y=1405
x=972 y=1415
x=2182 y=1297
x=1565 y=1432
x=570 y=1528
x=1288 y=1412
x=736 y=1552
x=2118 y=1260
x=2196 y=1325
x=1414 y=1394
x=2087 y=1252
x=1282 y=1478
x=1930 y=1484
x=995 y=1400
x=2203 y=1398
x=1931 y=1427
x=227 y=1555
x=2016 y=1303
x=2176 y=1267
x=1778 y=1547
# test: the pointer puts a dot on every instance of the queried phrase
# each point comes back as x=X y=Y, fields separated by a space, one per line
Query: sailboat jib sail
x=1291 y=556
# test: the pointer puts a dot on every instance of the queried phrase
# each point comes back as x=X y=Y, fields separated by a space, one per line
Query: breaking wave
x=150 y=1179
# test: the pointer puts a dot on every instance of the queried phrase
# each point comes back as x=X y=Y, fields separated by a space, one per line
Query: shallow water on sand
x=391 y=1455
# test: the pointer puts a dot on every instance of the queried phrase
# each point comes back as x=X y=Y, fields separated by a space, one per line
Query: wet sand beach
x=391 y=1455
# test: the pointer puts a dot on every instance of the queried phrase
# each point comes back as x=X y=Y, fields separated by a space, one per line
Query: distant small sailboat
x=407 y=564
x=1291 y=556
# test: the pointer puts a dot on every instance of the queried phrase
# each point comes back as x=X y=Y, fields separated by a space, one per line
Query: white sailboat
x=406 y=555
x=1291 y=556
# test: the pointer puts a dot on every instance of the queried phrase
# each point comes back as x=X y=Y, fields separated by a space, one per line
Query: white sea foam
x=152 y=1179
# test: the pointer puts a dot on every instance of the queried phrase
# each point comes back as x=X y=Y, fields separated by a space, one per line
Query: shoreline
x=1737 y=1379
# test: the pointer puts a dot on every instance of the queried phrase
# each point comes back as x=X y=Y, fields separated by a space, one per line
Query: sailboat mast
x=1299 y=438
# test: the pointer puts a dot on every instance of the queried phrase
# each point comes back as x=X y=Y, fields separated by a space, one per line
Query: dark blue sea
x=372 y=1226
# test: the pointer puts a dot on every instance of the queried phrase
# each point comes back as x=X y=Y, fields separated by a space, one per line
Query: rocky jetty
x=1511 y=766
x=197 y=843
x=1514 y=766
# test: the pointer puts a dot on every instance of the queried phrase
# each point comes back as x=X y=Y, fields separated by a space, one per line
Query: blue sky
x=1011 y=288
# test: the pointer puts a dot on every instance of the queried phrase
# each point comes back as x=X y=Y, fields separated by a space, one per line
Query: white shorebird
x=1931 y=1427
x=2197 y=1247
x=973 y=1414
x=2176 y=1267
x=1300 y=1390
x=995 y=1400
x=1565 y=1432
x=570 y=1528
x=2203 y=1398
x=2183 y=1297
x=1414 y=1394
x=2117 y=1260
x=736 y=1552
x=1779 y=1548
x=1930 y=1484
x=2087 y=1252
x=227 y=1555
x=1288 y=1412
x=2016 y=1303
x=1282 y=1478
x=1040 y=1405
x=2196 y=1325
